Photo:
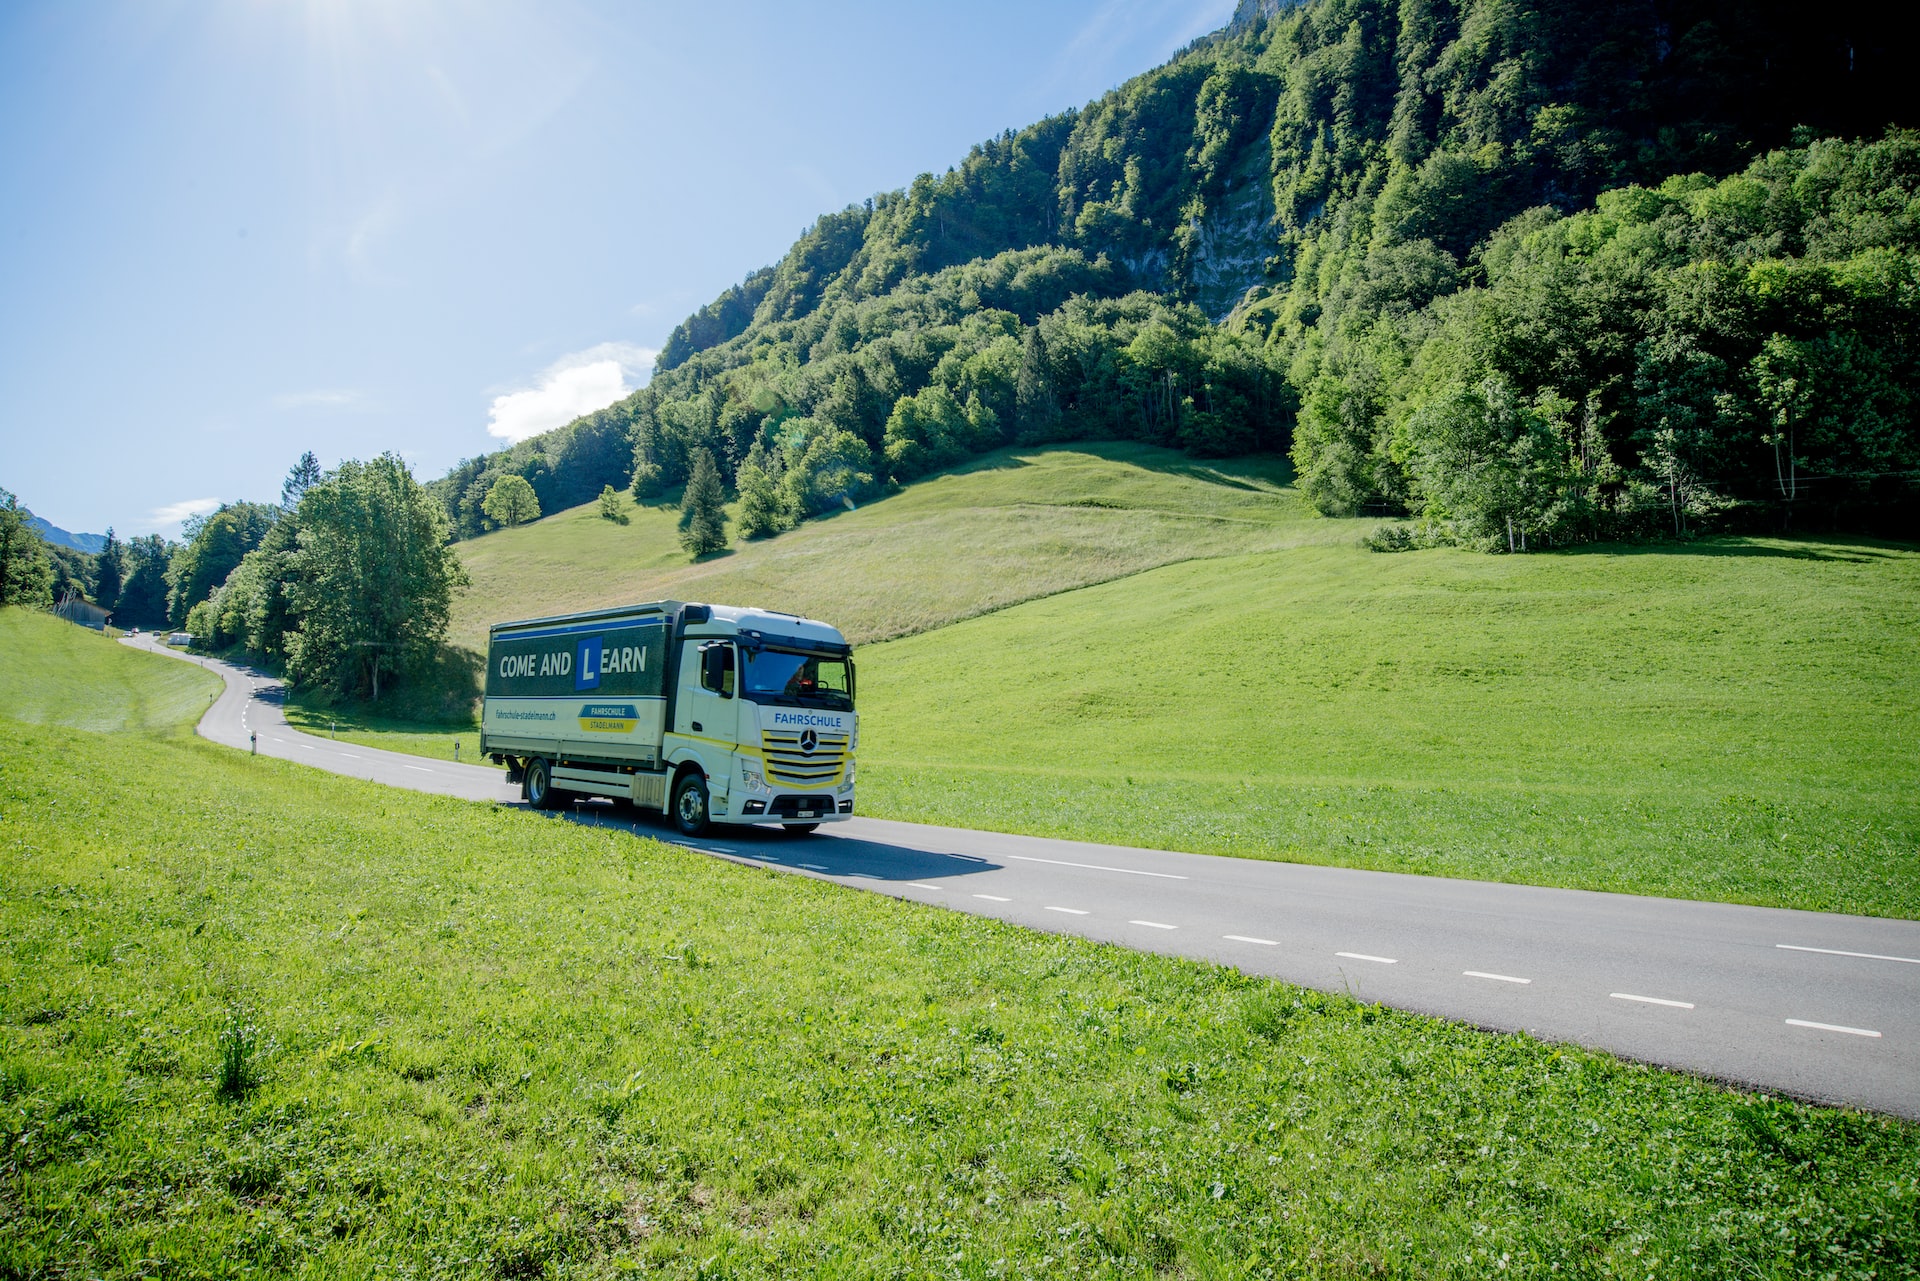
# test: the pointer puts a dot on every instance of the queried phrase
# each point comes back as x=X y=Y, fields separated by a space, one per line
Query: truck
x=708 y=713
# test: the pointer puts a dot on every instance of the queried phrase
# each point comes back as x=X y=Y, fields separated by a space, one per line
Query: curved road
x=1820 y=1006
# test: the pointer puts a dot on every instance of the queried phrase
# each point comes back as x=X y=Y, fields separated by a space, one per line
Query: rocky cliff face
x=1237 y=244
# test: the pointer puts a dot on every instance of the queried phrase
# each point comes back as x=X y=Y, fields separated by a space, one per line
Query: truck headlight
x=850 y=771
x=753 y=780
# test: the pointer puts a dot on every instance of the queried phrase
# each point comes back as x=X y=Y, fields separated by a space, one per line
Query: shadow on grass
x=1862 y=551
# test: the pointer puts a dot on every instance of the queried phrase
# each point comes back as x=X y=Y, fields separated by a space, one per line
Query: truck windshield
x=776 y=676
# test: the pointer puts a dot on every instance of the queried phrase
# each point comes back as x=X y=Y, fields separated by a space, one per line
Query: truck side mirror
x=716 y=668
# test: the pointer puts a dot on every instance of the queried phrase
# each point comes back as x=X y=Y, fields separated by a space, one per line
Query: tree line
x=346 y=583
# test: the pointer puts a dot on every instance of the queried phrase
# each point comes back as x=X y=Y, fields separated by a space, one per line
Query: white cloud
x=328 y=399
x=166 y=520
x=571 y=386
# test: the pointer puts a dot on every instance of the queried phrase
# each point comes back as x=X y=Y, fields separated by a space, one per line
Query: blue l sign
x=586 y=664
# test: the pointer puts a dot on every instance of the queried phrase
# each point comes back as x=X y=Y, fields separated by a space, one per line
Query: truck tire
x=690 y=804
x=537 y=786
x=799 y=829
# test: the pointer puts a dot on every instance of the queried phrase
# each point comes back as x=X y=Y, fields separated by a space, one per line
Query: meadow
x=440 y=739
x=1113 y=643
x=1009 y=527
x=49 y=677
x=1729 y=720
x=297 y=1024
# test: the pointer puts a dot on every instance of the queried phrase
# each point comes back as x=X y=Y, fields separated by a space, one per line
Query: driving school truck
x=710 y=713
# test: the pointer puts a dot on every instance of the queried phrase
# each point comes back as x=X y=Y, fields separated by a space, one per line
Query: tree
x=511 y=502
x=376 y=578
x=25 y=576
x=304 y=476
x=143 y=597
x=826 y=468
x=764 y=510
x=213 y=547
x=703 y=517
x=108 y=573
x=613 y=507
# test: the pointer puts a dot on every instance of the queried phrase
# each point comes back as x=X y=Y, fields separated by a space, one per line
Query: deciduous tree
x=376 y=578
x=511 y=502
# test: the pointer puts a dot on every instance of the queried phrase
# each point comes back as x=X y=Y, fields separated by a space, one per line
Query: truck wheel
x=537 y=786
x=690 y=804
x=799 y=829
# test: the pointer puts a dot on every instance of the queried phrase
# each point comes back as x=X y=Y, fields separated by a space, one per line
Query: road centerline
x=1834 y=1027
x=1498 y=978
x=1834 y=951
x=1362 y=956
x=1097 y=867
x=1650 y=1000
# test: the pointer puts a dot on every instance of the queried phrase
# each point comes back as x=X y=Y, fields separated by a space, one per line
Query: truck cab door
x=706 y=704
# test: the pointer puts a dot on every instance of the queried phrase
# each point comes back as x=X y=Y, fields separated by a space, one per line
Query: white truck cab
x=712 y=713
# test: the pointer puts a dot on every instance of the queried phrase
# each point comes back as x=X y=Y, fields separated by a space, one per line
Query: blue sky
x=234 y=230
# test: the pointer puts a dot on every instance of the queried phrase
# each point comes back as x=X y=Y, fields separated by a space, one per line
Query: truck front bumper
x=792 y=807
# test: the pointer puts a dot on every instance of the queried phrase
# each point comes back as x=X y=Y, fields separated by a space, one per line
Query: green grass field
x=1013 y=526
x=437 y=739
x=55 y=673
x=294 y=1024
x=1733 y=720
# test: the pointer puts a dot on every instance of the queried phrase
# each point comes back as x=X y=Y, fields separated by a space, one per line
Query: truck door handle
x=698 y=727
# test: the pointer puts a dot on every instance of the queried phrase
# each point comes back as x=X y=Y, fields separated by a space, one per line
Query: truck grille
x=788 y=763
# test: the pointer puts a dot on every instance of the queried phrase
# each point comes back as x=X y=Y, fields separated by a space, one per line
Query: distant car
x=134 y=632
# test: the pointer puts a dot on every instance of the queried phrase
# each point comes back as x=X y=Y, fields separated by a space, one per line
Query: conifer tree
x=703 y=517
x=108 y=574
x=613 y=505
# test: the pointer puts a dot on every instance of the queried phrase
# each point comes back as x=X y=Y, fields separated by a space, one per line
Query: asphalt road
x=1815 y=1005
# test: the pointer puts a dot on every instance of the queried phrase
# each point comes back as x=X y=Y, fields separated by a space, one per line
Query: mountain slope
x=1310 y=172
x=52 y=533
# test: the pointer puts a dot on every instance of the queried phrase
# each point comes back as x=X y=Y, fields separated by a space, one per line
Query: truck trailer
x=710 y=713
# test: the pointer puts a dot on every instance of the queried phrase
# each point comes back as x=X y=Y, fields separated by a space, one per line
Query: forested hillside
x=1478 y=260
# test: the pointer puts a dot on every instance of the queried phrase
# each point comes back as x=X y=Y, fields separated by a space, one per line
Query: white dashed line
x=1651 y=1000
x=1095 y=867
x=813 y=867
x=993 y=898
x=421 y=768
x=1498 y=978
x=1243 y=938
x=303 y=747
x=348 y=756
x=1070 y=911
x=922 y=885
x=1864 y=956
x=1153 y=925
x=1362 y=956
x=1833 y=1027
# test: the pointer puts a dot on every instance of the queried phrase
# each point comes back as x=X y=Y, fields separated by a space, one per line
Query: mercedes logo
x=808 y=741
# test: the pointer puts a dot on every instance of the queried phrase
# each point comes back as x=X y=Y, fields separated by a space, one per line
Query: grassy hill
x=388 y=1033
x=58 y=674
x=1010 y=527
x=1182 y=657
x=1731 y=720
